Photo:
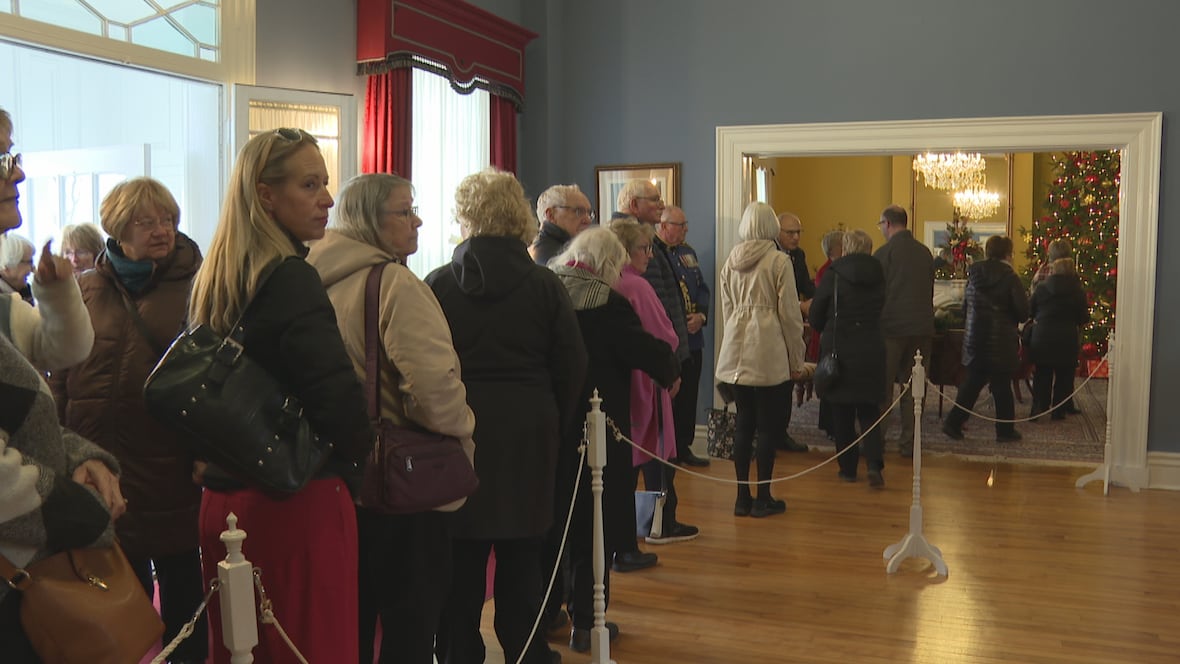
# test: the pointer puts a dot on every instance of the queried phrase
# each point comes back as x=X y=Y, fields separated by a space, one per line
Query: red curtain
x=503 y=133
x=388 y=123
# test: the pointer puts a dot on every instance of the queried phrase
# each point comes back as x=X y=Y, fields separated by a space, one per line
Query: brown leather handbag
x=409 y=470
x=84 y=605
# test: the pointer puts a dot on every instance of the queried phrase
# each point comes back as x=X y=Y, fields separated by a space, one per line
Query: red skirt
x=306 y=547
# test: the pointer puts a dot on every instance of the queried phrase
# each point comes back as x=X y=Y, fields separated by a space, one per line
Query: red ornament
x=1090 y=349
x=1114 y=272
x=1064 y=204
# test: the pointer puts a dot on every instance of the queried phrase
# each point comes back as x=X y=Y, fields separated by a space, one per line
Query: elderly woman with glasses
x=405 y=559
x=57 y=490
x=523 y=364
x=306 y=543
x=81 y=244
x=137 y=296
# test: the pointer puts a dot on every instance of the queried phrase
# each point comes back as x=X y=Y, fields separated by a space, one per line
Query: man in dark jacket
x=564 y=211
x=790 y=232
x=672 y=231
x=908 y=318
x=994 y=303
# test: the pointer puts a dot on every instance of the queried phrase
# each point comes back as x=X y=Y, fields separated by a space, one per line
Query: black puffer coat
x=1059 y=307
x=856 y=332
x=994 y=303
x=524 y=366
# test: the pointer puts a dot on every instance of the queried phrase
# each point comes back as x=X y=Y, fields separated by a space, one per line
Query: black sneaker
x=875 y=479
x=1009 y=437
x=675 y=532
x=690 y=459
x=952 y=431
x=634 y=560
x=766 y=507
x=791 y=445
x=580 y=638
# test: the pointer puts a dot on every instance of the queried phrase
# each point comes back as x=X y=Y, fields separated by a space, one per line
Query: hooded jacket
x=524 y=365
x=102 y=399
x=1059 y=306
x=763 y=333
x=850 y=322
x=420 y=380
x=994 y=303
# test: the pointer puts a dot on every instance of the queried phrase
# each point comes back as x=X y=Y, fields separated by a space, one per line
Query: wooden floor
x=1039 y=572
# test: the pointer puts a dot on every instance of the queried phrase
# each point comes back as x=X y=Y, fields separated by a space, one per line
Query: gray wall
x=614 y=81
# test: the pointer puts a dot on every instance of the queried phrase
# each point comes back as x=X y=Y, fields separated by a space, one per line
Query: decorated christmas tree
x=1083 y=207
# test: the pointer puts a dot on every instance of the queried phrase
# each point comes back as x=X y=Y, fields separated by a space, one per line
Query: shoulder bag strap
x=372 y=344
x=237 y=333
x=835 y=308
x=141 y=325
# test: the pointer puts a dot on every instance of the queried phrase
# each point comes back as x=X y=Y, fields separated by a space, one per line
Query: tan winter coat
x=421 y=382
x=763 y=342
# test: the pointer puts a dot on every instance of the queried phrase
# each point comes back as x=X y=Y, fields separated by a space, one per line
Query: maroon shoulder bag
x=409 y=470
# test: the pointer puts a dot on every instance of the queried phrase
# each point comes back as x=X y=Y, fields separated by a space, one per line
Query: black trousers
x=404 y=576
x=684 y=405
x=979 y=373
x=1051 y=382
x=181 y=592
x=759 y=409
x=518 y=599
x=844 y=419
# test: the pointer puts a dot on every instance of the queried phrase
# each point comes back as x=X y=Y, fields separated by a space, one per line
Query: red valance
x=464 y=41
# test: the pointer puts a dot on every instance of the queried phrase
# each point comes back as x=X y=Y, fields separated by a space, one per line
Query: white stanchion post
x=239 y=623
x=596 y=456
x=914 y=544
x=1103 y=472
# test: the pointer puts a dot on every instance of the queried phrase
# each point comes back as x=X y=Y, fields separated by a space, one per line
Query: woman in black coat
x=616 y=344
x=994 y=303
x=524 y=366
x=1058 y=306
x=847 y=311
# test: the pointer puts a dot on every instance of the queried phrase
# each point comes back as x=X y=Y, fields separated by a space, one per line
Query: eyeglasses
x=78 y=253
x=579 y=211
x=8 y=165
x=798 y=232
x=674 y=223
x=412 y=210
x=653 y=199
x=645 y=248
x=289 y=134
x=150 y=225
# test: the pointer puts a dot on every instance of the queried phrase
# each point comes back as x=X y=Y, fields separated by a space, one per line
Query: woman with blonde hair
x=277 y=200
x=81 y=244
x=762 y=351
x=523 y=364
x=137 y=296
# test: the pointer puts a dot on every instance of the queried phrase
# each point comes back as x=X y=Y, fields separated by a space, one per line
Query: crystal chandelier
x=950 y=171
x=977 y=203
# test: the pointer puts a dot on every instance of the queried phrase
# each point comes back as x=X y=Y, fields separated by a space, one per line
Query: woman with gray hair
x=16 y=264
x=81 y=244
x=617 y=345
x=762 y=351
x=847 y=311
x=524 y=366
x=405 y=559
x=1058 y=305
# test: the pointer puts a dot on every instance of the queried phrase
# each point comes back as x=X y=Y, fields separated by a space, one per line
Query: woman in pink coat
x=651 y=405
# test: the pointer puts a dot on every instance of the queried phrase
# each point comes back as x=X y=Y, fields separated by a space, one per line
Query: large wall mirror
x=882 y=153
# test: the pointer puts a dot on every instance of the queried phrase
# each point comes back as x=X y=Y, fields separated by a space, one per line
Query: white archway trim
x=1138 y=135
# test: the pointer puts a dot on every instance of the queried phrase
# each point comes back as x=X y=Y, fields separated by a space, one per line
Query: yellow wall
x=827 y=192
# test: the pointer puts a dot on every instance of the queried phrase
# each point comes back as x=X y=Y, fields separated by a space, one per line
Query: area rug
x=1077 y=438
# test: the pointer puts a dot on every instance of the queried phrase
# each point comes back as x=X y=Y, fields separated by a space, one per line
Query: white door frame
x=1138 y=135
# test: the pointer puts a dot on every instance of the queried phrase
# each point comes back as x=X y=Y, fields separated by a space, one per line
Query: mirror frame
x=1138 y=135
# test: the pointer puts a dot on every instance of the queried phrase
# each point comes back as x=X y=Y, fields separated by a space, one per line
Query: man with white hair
x=564 y=211
x=790 y=232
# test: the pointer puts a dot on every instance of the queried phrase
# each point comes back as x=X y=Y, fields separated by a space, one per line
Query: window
x=79 y=140
x=450 y=142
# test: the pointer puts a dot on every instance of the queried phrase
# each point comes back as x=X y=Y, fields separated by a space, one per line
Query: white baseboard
x=1163 y=470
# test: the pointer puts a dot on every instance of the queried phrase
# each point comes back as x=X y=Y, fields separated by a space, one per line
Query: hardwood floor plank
x=1039 y=572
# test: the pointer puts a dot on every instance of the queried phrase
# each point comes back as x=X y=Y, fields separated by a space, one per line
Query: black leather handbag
x=231 y=412
x=827 y=370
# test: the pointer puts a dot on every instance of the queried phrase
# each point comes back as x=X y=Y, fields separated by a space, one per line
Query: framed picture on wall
x=610 y=180
x=934 y=232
